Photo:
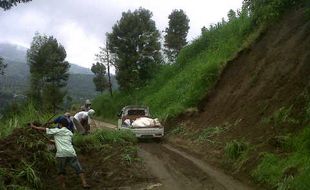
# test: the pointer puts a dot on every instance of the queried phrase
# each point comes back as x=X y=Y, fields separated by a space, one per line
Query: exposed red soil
x=271 y=73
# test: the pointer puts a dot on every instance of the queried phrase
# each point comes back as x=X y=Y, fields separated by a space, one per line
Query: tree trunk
x=109 y=74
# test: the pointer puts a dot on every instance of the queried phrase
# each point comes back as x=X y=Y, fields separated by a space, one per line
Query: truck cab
x=130 y=114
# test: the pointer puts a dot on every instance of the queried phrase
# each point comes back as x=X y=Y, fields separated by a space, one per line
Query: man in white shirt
x=65 y=152
x=81 y=121
x=86 y=106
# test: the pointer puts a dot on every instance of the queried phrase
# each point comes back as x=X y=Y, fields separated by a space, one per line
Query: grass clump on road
x=235 y=149
x=102 y=138
x=206 y=134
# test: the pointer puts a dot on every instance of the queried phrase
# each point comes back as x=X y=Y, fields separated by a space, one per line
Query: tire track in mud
x=177 y=170
x=174 y=171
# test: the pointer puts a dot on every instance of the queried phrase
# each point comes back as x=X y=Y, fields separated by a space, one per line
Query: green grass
x=276 y=171
x=25 y=114
x=281 y=116
x=291 y=170
x=130 y=155
x=177 y=130
x=103 y=138
x=209 y=132
x=267 y=12
x=27 y=173
x=237 y=153
x=235 y=149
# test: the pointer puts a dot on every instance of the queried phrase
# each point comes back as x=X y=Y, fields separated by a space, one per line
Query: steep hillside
x=274 y=71
x=259 y=104
x=181 y=85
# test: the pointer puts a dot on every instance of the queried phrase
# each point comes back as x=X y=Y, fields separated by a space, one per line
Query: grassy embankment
x=290 y=167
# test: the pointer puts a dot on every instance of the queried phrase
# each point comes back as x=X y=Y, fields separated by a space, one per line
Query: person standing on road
x=65 y=152
x=86 y=106
x=81 y=120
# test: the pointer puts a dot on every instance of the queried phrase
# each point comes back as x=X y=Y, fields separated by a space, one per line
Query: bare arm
x=38 y=128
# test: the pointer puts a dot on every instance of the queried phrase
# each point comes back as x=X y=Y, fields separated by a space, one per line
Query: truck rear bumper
x=147 y=132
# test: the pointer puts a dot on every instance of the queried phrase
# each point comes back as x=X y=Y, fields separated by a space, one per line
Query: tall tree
x=2 y=66
x=175 y=38
x=105 y=57
x=7 y=4
x=231 y=15
x=48 y=71
x=100 y=80
x=135 y=42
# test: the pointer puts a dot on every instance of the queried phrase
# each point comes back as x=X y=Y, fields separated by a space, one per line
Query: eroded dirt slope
x=270 y=74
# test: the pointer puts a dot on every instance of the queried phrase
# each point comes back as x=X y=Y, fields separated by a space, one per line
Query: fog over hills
x=16 y=79
x=17 y=54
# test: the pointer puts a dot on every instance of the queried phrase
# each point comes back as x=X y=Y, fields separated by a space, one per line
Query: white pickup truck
x=139 y=121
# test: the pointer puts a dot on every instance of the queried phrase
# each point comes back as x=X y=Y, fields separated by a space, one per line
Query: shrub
x=234 y=149
x=266 y=12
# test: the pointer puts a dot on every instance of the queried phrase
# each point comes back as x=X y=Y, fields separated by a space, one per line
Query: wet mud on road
x=177 y=170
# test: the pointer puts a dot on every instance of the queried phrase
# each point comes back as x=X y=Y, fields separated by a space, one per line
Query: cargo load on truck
x=139 y=121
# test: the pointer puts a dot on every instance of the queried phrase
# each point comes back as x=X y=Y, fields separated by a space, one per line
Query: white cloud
x=81 y=25
x=72 y=35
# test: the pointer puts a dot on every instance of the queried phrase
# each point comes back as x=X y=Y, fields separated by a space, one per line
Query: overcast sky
x=80 y=25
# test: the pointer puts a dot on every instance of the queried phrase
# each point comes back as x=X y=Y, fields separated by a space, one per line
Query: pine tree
x=231 y=15
x=175 y=38
x=48 y=72
x=135 y=42
x=106 y=58
x=100 y=80
x=7 y=4
x=2 y=66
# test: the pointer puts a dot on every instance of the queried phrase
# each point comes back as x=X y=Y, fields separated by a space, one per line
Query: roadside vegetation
x=28 y=159
x=288 y=169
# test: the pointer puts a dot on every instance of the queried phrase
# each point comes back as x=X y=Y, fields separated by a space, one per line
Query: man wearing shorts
x=65 y=152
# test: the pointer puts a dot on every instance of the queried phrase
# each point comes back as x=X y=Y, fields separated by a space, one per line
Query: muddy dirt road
x=177 y=170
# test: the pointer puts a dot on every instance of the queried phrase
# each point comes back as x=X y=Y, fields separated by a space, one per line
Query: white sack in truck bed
x=145 y=122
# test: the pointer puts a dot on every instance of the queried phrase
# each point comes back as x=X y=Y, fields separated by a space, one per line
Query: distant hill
x=13 y=52
x=17 y=54
x=16 y=79
x=75 y=69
